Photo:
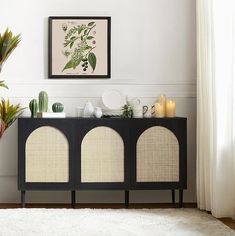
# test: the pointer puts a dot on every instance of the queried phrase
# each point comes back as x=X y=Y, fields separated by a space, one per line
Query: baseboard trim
x=97 y=205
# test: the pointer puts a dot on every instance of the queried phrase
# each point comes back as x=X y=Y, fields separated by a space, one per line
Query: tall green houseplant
x=8 y=112
x=8 y=42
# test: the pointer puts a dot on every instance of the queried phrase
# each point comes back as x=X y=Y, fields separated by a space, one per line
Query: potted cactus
x=57 y=107
x=43 y=101
x=8 y=112
x=33 y=106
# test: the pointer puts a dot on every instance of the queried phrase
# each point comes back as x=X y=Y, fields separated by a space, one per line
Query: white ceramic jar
x=98 y=112
x=138 y=111
x=88 y=109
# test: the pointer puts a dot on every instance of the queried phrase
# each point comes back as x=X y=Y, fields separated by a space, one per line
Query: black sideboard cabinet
x=76 y=154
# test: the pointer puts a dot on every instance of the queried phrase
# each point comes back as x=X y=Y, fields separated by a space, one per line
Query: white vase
x=88 y=109
x=98 y=112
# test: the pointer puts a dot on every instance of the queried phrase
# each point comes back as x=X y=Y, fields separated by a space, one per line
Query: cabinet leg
x=173 y=196
x=23 y=198
x=73 y=199
x=180 y=198
x=126 y=198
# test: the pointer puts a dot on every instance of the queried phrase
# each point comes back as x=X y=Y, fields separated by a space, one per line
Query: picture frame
x=79 y=47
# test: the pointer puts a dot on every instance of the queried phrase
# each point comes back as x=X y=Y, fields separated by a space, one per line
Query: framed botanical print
x=79 y=47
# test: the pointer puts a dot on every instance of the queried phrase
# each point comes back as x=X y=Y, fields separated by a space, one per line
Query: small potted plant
x=127 y=111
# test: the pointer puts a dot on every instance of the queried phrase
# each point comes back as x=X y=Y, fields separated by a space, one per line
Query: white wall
x=153 y=52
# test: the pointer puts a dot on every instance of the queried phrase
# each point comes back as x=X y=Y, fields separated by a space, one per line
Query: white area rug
x=109 y=222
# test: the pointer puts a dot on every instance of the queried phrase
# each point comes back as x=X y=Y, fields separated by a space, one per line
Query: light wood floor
x=227 y=221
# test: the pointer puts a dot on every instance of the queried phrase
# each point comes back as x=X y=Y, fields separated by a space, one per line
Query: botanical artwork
x=79 y=47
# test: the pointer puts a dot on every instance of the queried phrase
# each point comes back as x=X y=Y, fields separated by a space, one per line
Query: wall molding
x=75 y=91
x=116 y=81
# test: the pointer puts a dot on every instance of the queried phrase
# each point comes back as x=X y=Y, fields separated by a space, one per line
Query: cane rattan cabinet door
x=157 y=157
x=102 y=156
x=47 y=156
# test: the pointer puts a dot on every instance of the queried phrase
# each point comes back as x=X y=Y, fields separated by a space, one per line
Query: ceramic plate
x=113 y=99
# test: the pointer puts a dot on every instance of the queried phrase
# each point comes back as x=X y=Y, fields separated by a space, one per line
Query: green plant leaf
x=77 y=62
x=71 y=44
x=3 y=85
x=72 y=64
x=90 y=37
x=9 y=112
x=68 y=65
x=80 y=29
x=87 y=47
x=8 y=43
x=66 y=43
x=92 y=60
x=91 y=23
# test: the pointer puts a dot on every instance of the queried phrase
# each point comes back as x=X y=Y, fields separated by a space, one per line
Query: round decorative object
x=57 y=107
x=113 y=99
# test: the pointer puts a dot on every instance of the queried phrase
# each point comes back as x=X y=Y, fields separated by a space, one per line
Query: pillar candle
x=159 y=110
x=162 y=99
x=170 y=108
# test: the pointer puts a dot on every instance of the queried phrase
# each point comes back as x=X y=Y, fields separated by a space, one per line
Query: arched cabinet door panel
x=102 y=156
x=47 y=156
x=157 y=156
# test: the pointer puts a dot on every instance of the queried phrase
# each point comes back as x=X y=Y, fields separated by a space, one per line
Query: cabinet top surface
x=105 y=118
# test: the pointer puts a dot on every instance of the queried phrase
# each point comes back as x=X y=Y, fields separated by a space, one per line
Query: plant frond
x=8 y=43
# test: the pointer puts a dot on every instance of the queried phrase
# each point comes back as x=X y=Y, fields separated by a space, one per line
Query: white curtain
x=216 y=107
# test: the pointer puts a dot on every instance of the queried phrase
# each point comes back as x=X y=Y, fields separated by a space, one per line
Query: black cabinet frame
x=129 y=129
